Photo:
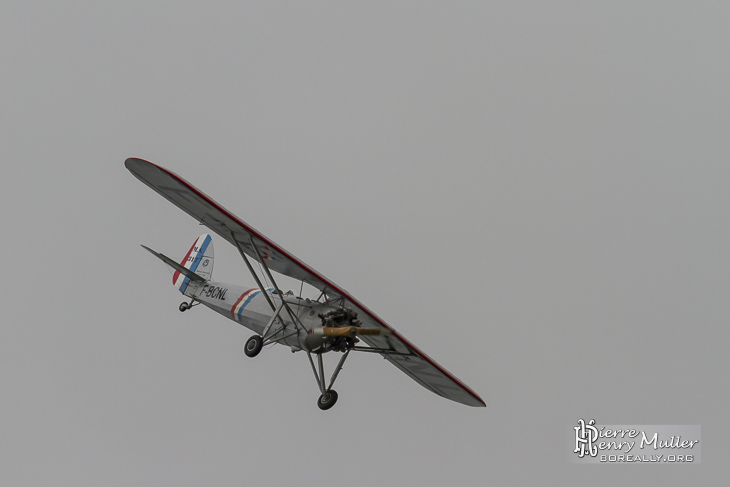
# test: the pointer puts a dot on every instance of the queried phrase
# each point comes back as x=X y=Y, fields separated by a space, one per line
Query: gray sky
x=534 y=194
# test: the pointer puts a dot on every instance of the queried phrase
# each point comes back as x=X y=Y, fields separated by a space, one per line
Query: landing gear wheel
x=253 y=346
x=184 y=306
x=327 y=400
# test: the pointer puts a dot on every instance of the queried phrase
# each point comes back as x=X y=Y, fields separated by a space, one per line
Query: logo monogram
x=585 y=436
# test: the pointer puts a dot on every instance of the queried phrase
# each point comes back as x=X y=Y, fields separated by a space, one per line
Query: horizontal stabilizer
x=186 y=272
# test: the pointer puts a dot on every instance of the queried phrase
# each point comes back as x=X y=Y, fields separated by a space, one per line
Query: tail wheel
x=253 y=346
x=327 y=400
x=184 y=306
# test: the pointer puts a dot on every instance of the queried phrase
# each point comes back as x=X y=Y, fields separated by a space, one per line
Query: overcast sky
x=534 y=193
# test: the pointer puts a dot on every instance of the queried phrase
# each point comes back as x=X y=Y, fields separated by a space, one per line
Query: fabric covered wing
x=412 y=361
x=194 y=202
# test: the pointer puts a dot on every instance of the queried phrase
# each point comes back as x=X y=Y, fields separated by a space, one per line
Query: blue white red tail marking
x=191 y=261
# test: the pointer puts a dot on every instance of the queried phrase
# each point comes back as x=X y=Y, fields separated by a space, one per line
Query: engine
x=338 y=331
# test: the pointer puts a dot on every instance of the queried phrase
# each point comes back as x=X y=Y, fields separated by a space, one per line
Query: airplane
x=334 y=322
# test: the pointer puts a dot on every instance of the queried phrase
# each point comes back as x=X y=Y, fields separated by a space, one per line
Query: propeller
x=347 y=331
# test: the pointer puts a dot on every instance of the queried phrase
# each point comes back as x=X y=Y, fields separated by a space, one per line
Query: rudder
x=199 y=259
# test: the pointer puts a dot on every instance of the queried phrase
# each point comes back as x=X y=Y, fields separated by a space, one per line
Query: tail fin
x=199 y=260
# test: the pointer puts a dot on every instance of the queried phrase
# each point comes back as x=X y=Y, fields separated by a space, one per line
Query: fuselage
x=250 y=308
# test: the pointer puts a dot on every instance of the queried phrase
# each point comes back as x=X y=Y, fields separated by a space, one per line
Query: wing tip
x=130 y=162
x=475 y=401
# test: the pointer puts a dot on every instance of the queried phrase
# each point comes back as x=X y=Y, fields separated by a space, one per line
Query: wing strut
x=293 y=317
x=276 y=310
x=271 y=321
x=269 y=338
x=253 y=273
x=384 y=351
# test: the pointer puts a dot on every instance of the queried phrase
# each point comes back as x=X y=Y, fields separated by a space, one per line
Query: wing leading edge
x=412 y=361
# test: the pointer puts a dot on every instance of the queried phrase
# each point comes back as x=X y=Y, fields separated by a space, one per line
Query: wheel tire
x=253 y=346
x=184 y=307
x=327 y=400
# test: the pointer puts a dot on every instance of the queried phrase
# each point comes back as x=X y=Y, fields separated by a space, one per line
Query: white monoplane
x=334 y=322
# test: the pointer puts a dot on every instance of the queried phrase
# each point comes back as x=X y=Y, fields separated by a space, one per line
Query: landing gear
x=253 y=346
x=329 y=396
x=186 y=306
x=327 y=400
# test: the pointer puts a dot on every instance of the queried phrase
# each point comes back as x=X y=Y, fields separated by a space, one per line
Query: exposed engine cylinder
x=322 y=339
x=340 y=317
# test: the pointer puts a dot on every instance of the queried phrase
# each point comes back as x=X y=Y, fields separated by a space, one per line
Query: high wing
x=393 y=346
